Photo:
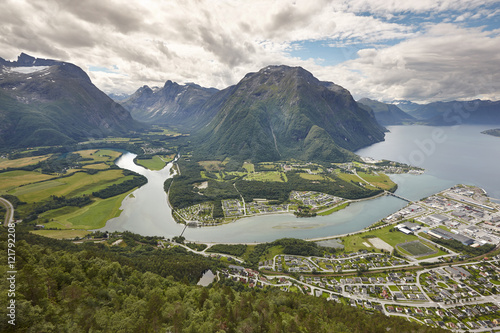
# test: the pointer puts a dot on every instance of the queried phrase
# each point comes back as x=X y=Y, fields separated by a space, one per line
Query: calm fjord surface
x=450 y=155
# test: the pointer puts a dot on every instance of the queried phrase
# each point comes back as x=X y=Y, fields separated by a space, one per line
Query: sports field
x=417 y=248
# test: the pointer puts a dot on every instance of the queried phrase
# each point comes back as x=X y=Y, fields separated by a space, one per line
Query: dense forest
x=62 y=287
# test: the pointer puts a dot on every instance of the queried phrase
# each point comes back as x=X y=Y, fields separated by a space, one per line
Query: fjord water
x=459 y=155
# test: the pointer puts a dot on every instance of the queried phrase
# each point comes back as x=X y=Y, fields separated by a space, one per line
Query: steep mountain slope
x=284 y=112
x=174 y=104
x=47 y=102
x=387 y=114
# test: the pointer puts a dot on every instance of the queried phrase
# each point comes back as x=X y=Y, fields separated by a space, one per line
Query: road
x=9 y=215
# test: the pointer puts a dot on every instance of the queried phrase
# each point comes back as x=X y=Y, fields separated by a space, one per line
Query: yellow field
x=249 y=167
x=61 y=234
x=12 y=179
x=379 y=180
x=21 y=162
x=97 y=166
x=77 y=184
x=348 y=177
x=269 y=176
x=99 y=155
x=311 y=177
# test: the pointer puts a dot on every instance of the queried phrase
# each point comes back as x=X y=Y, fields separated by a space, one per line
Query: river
x=146 y=211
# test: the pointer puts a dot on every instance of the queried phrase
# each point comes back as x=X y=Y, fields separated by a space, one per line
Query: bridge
x=398 y=196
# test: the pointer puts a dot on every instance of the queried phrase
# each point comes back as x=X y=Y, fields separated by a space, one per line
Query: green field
x=155 y=163
x=93 y=216
x=21 y=162
x=417 y=248
x=334 y=209
x=13 y=179
x=355 y=242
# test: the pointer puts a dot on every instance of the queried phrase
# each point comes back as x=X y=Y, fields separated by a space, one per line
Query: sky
x=422 y=51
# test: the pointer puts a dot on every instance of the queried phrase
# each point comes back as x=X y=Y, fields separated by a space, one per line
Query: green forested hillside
x=56 y=104
x=62 y=287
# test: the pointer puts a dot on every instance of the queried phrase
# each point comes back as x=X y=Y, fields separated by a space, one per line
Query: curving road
x=9 y=215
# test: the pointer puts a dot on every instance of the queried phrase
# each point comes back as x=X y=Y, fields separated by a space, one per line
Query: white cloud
x=447 y=62
x=215 y=43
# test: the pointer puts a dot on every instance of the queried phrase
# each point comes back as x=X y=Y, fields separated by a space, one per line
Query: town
x=418 y=263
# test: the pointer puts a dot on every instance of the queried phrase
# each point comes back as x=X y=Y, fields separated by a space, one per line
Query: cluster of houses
x=314 y=199
x=235 y=208
x=332 y=263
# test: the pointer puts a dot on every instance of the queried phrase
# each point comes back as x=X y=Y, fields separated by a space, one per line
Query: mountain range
x=49 y=102
x=387 y=114
x=279 y=112
x=453 y=112
x=173 y=104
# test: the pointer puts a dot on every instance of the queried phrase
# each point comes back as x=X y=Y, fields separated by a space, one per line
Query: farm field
x=379 y=180
x=155 y=163
x=270 y=176
x=249 y=167
x=79 y=183
x=99 y=155
x=61 y=234
x=12 y=179
x=312 y=177
x=93 y=216
x=22 y=162
x=97 y=166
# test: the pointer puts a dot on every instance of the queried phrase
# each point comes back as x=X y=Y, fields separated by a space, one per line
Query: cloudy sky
x=425 y=50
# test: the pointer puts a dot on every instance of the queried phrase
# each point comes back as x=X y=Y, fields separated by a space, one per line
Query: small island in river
x=493 y=132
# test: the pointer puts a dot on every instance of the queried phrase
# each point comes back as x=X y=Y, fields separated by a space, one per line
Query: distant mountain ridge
x=50 y=102
x=387 y=114
x=173 y=104
x=454 y=112
x=284 y=112
x=459 y=112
